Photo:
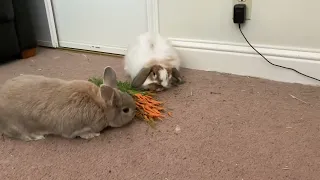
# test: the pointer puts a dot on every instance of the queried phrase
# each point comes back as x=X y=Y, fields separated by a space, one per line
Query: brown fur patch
x=155 y=72
x=169 y=70
x=155 y=68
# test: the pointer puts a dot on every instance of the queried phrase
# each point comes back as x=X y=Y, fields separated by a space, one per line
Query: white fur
x=141 y=53
x=148 y=81
x=163 y=75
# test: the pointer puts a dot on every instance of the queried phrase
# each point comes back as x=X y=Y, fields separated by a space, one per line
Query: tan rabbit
x=34 y=106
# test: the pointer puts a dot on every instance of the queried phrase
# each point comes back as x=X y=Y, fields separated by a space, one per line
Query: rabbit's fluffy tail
x=149 y=39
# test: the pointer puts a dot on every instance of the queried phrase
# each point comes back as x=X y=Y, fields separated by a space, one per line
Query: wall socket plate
x=248 y=3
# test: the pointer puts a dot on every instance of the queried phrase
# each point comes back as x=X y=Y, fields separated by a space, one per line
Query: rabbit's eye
x=125 y=110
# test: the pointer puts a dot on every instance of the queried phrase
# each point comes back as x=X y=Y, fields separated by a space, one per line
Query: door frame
x=52 y=24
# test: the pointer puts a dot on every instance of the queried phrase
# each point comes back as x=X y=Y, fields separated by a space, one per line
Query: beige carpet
x=232 y=128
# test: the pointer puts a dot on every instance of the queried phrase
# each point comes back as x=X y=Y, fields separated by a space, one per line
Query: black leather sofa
x=17 y=36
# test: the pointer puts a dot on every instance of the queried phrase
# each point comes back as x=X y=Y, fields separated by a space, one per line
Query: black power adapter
x=239 y=17
x=239 y=13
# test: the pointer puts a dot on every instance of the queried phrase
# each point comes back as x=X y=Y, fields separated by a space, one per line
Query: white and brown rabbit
x=34 y=106
x=151 y=62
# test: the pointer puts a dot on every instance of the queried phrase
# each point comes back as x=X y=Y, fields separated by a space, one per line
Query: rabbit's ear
x=109 y=77
x=176 y=74
x=141 y=77
x=108 y=94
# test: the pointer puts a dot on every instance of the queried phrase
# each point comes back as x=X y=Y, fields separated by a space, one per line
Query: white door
x=99 y=25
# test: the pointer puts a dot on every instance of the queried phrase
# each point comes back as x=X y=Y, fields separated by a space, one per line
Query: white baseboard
x=89 y=47
x=236 y=59
x=45 y=43
x=242 y=60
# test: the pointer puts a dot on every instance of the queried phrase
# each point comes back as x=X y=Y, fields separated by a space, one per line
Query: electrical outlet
x=248 y=3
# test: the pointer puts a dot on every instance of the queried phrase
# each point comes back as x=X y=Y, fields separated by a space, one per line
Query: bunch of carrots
x=148 y=108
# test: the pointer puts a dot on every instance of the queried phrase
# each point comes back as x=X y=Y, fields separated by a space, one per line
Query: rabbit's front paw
x=38 y=137
x=89 y=135
x=32 y=137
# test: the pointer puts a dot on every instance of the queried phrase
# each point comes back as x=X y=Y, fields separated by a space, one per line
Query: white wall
x=292 y=23
x=40 y=22
x=287 y=31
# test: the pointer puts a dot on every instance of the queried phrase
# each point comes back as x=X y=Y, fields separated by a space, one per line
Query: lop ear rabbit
x=34 y=106
x=152 y=62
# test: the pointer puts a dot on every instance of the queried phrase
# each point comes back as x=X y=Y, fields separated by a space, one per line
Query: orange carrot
x=148 y=108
